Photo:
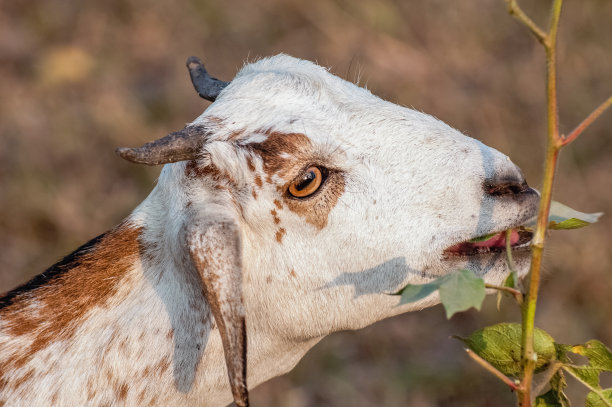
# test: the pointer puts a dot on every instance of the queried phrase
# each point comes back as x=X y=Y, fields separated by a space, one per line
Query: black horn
x=181 y=145
x=206 y=86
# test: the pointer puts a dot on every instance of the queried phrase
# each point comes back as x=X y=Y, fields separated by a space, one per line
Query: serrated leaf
x=599 y=355
x=461 y=291
x=563 y=217
x=586 y=374
x=500 y=345
x=413 y=292
x=594 y=399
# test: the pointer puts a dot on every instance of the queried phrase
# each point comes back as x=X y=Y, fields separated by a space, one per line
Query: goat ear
x=215 y=250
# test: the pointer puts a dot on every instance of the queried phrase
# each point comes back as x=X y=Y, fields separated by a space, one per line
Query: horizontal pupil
x=308 y=178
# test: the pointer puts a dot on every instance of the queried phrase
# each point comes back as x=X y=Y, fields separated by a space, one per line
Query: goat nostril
x=506 y=187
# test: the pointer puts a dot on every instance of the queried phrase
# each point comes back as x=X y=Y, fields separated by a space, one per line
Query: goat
x=290 y=209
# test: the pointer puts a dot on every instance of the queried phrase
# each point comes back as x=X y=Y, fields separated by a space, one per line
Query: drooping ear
x=215 y=250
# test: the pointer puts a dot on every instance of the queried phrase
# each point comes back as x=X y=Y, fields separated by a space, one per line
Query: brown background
x=78 y=78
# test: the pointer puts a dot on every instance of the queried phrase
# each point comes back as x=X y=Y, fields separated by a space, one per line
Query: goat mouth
x=493 y=243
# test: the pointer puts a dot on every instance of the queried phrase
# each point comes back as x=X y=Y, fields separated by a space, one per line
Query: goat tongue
x=497 y=241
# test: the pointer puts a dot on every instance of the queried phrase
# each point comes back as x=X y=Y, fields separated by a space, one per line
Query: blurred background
x=78 y=78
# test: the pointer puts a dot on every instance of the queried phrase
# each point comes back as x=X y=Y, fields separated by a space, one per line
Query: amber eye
x=307 y=184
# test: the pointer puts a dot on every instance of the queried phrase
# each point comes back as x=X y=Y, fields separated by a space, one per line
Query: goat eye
x=307 y=184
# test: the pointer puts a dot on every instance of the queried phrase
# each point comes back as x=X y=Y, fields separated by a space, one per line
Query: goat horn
x=181 y=145
x=206 y=86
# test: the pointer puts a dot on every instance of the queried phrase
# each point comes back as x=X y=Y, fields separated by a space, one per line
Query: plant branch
x=516 y=293
x=517 y=12
x=585 y=123
x=493 y=370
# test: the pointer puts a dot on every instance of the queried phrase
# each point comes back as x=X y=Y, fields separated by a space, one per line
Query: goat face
x=398 y=188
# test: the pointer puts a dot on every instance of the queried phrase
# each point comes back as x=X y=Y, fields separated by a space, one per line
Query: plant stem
x=516 y=293
x=554 y=144
x=515 y=10
x=529 y=357
x=492 y=369
x=586 y=122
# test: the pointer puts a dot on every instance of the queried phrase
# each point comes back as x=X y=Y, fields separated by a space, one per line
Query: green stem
x=529 y=357
x=516 y=11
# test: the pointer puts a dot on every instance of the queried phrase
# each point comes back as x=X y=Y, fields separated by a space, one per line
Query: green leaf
x=586 y=374
x=564 y=217
x=599 y=355
x=500 y=345
x=482 y=238
x=552 y=399
x=461 y=291
x=571 y=223
x=600 y=360
x=594 y=399
x=413 y=293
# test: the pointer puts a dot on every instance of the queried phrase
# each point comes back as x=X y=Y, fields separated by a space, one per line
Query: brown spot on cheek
x=258 y=181
x=275 y=216
x=254 y=194
x=292 y=273
x=278 y=204
x=279 y=235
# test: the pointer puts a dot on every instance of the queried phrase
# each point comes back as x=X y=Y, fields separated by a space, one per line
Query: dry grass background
x=78 y=78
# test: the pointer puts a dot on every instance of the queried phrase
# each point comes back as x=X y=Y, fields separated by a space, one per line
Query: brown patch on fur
x=275 y=216
x=122 y=392
x=292 y=273
x=193 y=170
x=141 y=396
x=258 y=181
x=123 y=347
x=50 y=308
x=269 y=279
x=316 y=209
x=280 y=151
x=235 y=135
x=23 y=379
x=254 y=193
x=170 y=334
x=278 y=204
x=250 y=164
x=279 y=235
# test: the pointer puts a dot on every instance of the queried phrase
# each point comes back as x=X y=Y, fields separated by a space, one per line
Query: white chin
x=492 y=267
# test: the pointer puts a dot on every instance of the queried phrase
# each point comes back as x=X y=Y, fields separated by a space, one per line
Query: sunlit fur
x=403 y=186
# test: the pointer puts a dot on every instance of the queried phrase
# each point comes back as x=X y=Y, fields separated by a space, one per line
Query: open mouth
x=519 y=239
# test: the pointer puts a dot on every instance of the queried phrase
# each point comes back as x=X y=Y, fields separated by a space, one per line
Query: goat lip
x=519 y=240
